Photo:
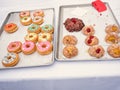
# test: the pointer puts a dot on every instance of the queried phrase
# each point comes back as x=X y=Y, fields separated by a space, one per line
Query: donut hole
x=44 y=36
x=33 y=27
x=13 y=45
x=36 y=18
x=98 y=50
x=24 y=13
x=27 y=46
x=9 y=57
x=46 y=27
x=44 y=46
x=37 y=12
x=9 y=26
x=30 y=36
x=25 y=18
x=88 y=30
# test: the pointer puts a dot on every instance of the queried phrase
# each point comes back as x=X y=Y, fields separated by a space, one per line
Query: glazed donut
x=44 y=48
x=38 y=13
x=10 y=27
x=26 y=21
x=47 y=28
x=14 y=47
x=88 y=30
x=114 y=50
x=73 y=24
x=69 y=40
x=34 y=28
x=38 y=20
x=112 y=38
x=33 y=37
x=28 y=47
x=91 y=40
x=112 y=29
x=96 y=51
x=70 y=51
x=24 y=14
x=44 y=37
x=10 y=60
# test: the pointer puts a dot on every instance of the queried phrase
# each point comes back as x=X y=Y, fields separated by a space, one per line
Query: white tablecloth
x=59 y=70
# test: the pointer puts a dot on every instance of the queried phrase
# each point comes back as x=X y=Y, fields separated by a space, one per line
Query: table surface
x=58 y=69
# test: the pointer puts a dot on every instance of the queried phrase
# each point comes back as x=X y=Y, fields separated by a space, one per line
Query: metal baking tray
x=31 y=60
x=90 y=16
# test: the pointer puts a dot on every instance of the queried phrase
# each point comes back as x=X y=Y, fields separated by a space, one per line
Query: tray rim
x=52 y=59
x=57 y=38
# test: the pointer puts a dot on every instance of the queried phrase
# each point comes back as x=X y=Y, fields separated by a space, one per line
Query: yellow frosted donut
x=45 y=37
x=26 y=21
x=31 y=37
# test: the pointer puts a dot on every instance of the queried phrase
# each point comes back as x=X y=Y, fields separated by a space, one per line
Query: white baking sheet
x=90 y=16
x=34 y=59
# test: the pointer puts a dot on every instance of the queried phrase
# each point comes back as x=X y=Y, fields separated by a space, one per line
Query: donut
x=10 y=27
x=10 y=60
x=73 y=24
x=26 y=21
x=96 y=51
x=44 y=37
x=44 y=48
x=88 y=30
x=38 y=13
x=24 y=14
x=14 y=47
x=114 y=50
x=112 y=29
x=28 y=47
x=47 y=28
x=70 y=51
x=69 y=40
x=91 y=40
x=34 y=28
x=38 y=20
x=112 y=38
x=33 y=37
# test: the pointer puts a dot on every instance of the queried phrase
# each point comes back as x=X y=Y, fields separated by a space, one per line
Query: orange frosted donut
x=33 y=37
x=70 y=51
x=112 y=38
x=96 y=51
x=114 y=50
x=14 y=47
x=28 y=47
x=38 y=13
x=24 y=14
x=10 y=60
x=44 y=37
x=38 y=20
x=10 y=27
x=26 y=21
x=112 y=29
x=91 y=40
x=70 y=40
x=88 y=30
x=44 y=48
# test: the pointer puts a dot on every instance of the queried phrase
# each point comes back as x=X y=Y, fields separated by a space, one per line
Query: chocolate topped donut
x=74 y=24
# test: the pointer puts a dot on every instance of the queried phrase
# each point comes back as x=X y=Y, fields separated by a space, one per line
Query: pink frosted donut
x=44 y=48
x=14 y=47
x=24 y=14
x=28 y=47
x=38 y=13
